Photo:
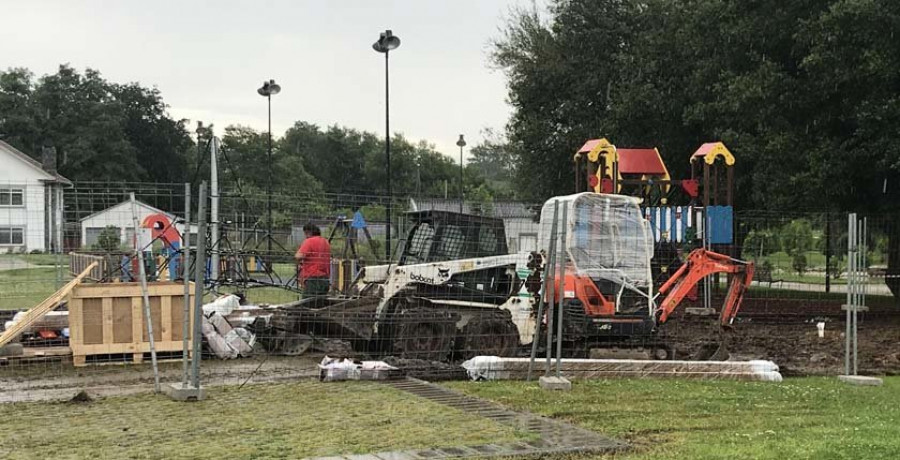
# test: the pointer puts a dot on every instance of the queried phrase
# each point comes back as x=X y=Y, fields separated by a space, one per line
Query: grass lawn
x=260 y=421
x=24 y=288
x=816 y=418
x=40 y=259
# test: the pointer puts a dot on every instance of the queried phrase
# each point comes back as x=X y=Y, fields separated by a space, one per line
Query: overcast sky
x=209 y=57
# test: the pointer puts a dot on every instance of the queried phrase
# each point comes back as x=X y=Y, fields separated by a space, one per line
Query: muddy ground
x=796 y=347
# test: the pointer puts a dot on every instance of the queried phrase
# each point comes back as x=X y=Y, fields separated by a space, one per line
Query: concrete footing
x=555 y=383
x=185 y=393
x=860 y=380
x=495 y=368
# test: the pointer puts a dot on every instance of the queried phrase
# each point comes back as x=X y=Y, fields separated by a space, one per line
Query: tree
x=797 y=236
x=798 y=263
x=101 y=130
x=494 y=161
x=676 y=74
x=108 y=240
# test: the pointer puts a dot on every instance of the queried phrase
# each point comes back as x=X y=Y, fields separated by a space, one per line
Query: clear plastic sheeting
x=496 y=368
x=608 y=238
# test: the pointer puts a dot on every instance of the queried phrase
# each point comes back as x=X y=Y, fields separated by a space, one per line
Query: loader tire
x=423 y=334
x=496 y=336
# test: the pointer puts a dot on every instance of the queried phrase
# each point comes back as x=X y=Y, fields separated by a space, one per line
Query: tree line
x=805 y=93
x=106 y=131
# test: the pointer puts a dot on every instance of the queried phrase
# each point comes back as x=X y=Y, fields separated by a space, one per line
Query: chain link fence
x=462 y=280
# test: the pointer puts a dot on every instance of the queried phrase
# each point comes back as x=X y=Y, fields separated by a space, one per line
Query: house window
x=12 y=197
x=12 y=236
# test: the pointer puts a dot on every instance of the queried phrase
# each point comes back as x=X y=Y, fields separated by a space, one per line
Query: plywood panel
x=155 y=316
x=92 y=321
x=177 y=313
x=122 y=327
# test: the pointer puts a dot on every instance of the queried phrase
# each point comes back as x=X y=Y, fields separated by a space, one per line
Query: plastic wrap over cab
x=608 y=238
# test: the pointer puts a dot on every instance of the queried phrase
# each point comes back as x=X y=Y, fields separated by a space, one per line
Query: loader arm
x=700 y=264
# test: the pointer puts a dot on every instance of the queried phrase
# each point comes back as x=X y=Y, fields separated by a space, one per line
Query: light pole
x=387 y=41
x=268 y=89
x=461 y=143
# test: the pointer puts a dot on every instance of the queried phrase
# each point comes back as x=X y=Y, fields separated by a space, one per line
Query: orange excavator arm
x=700 y=264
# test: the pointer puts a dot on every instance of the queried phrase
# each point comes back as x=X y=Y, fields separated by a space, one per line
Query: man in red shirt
x=314 y=259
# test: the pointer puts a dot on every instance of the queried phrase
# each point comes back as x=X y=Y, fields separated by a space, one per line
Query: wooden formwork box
x=108 y=319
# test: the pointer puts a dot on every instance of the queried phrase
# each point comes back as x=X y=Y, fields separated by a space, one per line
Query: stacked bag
x=225 y=341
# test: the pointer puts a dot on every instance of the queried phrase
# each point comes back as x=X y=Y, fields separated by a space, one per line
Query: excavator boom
x=700 y=264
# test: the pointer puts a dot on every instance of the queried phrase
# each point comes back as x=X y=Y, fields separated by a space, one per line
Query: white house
x=31 y=202
x=121 y=217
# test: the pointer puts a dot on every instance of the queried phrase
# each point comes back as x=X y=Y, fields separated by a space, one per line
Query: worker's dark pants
x=315 y=287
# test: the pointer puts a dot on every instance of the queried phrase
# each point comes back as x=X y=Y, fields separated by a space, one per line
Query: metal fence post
x=142 y=272
x=186 y=274
x=562 y=288
x=551 y=299
x=543 y=293
x=199 y=278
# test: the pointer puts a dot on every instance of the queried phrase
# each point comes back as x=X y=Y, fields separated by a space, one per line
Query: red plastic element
x=589 y=145
x=47 y=334
x=704 y=150
x=161 y=227
x=593 y=181
x=640 y=161
x=700 y=264
x=691 y=187
x=606 y=186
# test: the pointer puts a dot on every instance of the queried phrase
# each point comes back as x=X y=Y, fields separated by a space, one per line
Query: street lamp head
x=269 y=88
x=386 y=42
x=461 y=142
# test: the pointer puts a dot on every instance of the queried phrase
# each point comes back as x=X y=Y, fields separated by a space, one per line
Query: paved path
x=14 y=263
x=554 y=436
x=871 y=289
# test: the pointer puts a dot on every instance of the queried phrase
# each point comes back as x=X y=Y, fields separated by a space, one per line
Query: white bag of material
x=333 y=369
x=237 y=343
x=219 y=346
x=223 y=305
x=485 y=368
x=220 y=323
x=248 y=336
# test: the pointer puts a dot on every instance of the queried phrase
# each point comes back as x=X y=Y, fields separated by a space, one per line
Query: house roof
x=16 y=153
x=128 y=203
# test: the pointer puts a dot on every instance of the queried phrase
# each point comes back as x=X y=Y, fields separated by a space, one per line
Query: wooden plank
x=92 y=321
x=176 y=305
x=165 y=321
x=107 y=331
x=43 y=308
x=164 y=288
x=122 y=319
x=76 y=336
x=137 y=321
x=155 y=317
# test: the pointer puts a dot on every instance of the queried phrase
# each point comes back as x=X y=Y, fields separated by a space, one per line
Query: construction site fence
x=273 y=330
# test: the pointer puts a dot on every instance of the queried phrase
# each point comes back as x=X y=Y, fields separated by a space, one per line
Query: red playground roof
x=589 y=145
x=710 y=150
x=640 y=161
